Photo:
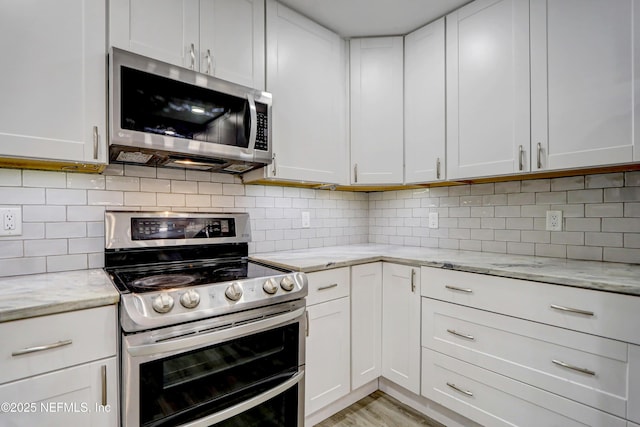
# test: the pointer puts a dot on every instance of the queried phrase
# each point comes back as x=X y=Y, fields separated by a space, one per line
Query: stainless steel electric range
x=208 y=337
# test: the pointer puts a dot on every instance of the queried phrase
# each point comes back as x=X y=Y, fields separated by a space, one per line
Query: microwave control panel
x=262 y=131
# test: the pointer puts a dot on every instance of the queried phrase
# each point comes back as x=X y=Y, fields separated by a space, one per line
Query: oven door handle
x=248 y=404
x=185 y=343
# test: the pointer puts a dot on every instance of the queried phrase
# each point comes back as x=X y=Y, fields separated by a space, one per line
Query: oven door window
x=164 y=106
x=201 y=382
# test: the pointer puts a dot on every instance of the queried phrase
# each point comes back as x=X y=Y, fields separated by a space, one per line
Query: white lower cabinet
x=328 y=351
x=495 y=400
x=401 y=325
x=60 y=370
x=84 y=395
x=633 y=410
x=366 y=323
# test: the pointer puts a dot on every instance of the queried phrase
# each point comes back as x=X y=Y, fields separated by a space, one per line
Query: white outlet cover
x=554 y=221
x=306 y=219
x=433 y=219
x=16 y=214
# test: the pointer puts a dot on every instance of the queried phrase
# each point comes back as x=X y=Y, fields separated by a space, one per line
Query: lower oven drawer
x=494 y=400
x=43 y=344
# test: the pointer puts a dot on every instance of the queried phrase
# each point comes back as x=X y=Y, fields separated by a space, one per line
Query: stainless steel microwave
x=165 y=115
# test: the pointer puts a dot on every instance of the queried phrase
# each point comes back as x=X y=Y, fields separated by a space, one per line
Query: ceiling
x=357 y=18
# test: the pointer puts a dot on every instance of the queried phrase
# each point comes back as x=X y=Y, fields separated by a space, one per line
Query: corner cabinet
x=223 y=38
x=584 y=68
x=58 y=374
x=401 y=325
x=488 y=130
x=306 y=73
x=376 y=87
x=424 y=104
x=53 y=86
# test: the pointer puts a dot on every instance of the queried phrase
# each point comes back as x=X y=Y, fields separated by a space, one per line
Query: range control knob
x=287 y=283
x=190 y=299
x=270 y=286
x=163 y=303
x=233 y=291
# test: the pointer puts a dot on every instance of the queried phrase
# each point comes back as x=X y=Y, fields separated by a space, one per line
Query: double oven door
x=243 y=369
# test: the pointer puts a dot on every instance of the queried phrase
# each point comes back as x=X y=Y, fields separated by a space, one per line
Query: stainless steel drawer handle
x=413 y=280
x=572 y=310
x=333 y=285
x=306 y=314
x=41 y=348
x=458 y=389
x=458 y=334
x=103 y=373
x=455 y=288
x=572 y=367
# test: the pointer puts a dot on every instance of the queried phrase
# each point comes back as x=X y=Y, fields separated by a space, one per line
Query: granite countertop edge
x=594 y=275
x=35 y=295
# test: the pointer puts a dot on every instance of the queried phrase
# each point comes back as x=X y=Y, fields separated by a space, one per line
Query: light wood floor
x=378 y=410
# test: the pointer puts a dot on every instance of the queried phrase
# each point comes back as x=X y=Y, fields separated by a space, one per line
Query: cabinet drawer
x=594 y=312
x=532 y=353
x=494 y=400
x=327 y=285
x=56 y=341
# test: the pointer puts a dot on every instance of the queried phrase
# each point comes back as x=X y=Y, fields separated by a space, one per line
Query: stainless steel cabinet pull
x=572 y=310
x=454 y=288
x=96 y=137
x=192 y=53
x=520 y=161
x=273 y=159
x=456 y=388
x=41 y=348
x=209 y=68
x=438 y=168
x=333 y=285
x=539 y=156
x=103 y=371
x=413 y=280
x=306 y=313
x=458 y=334
x=355 y=173
x=575 y=368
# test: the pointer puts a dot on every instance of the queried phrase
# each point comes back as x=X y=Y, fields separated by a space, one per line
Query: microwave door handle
x=253 y=122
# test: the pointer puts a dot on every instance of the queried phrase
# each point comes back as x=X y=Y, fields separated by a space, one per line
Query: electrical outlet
x=554 y=220
x=10 y=221
x=433 y=220
x=306 y=219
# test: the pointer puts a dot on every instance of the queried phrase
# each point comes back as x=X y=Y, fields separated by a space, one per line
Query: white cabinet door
x=376 y=110
x=583 y=76
x=68 y=397
x=366 y=323
x=327 y=354
x=162 y=29
x=401 y=325
x=424 y=104
x=232 y=40
x=633 y=410
x=488 y=129
x=53 y=86
x=306 y=73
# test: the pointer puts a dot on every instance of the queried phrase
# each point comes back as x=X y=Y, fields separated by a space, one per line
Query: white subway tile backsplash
x=632 y=179
x=56 y=196
x=632 y=240
x=222 y=201
x=22 y=196
x=86 y=181
x=95 y=229
x=568 y=183
x=555 y=251
x=43 y=213
x=507 y=187
x=494 y=246
x=140 y=171
x=105 y=198
x=86 y=245
x=494 y=199
x=632 y=210
x=186 y=187
x=35 y=248
x=169 y=199
x=551 y=198
x=66 y=263
x=233 y=190
x=603 y=239
x=630 y=225
x=11 y=177
x=567 y=238
x=507 y=211
x=122 y=183
x=589 y=253
x=85 y=213
x=155 y=185
x=483 y=189
x=627 y=255
x=66 y=230
x=521 y=199
x=171 y=174
x=604 y=210
x=626 y=194
x=195 y=175
x=582 y=224
x=519 y=248
x=137 y=198
x=471 y=245
x=535 y=186
x=96 y=260
x=20 y=266
x=605 y=180
x=519 y=224
x=198 y=200
x=35 y=178
x=11 y=248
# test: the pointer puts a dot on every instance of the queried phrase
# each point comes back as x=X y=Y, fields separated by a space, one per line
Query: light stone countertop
x=50 y=293
x=605 y=276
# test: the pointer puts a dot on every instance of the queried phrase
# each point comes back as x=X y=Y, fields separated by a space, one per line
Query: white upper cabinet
x=53 y=86
x=306 y=73
x=488 y=114
x=583 y=73
x=224 y=38
x=377 y=110
x=424 y=104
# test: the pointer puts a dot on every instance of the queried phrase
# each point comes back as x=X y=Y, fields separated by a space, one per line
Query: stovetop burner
x=162 y=281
